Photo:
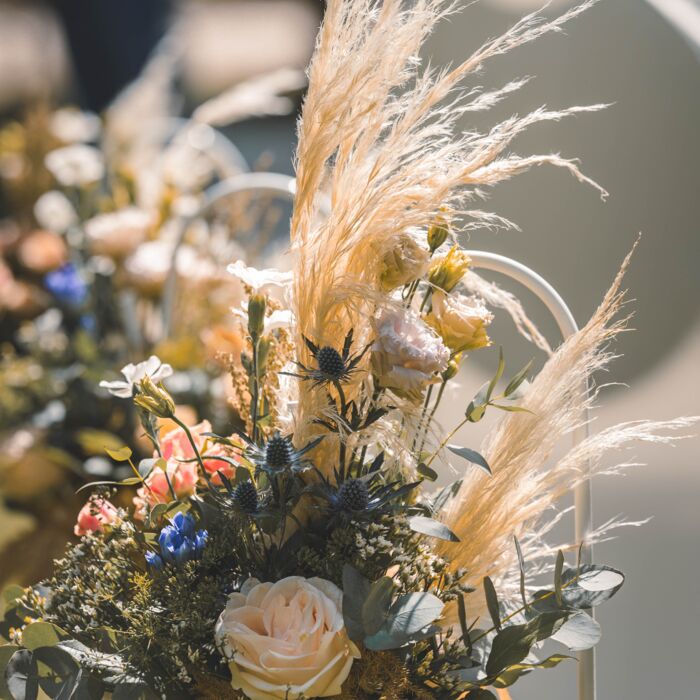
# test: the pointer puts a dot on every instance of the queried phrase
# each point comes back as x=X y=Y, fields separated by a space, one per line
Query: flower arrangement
x=304 y=553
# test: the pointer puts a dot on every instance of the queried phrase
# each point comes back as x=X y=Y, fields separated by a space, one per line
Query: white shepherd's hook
x=583 y=493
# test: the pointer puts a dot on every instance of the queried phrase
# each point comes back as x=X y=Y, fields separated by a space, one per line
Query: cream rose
x=407 y=353
x=286 y=640
x=460 y=320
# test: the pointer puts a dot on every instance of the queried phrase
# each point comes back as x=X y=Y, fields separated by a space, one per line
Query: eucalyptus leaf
x=579 y=632
x=492 y=602
x=432 y=528
x=590 y=585
x=444 y=496
x=41 y=634
x=355 y=591
x=471 y=456
x=497 y=376
x=512 y=673
x=427 y=472
x=22 y=676
x=123 y=454
x=558 y=569
x=377 y=604
x=6 y=653
x=518 y=379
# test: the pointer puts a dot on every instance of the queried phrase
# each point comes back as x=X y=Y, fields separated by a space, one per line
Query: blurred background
x=642 y=56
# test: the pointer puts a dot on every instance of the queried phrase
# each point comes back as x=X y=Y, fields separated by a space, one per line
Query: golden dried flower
x=447 y=271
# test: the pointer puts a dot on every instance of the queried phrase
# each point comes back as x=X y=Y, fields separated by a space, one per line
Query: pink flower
x=94 y=515
x=182 y=476
x=175 y=444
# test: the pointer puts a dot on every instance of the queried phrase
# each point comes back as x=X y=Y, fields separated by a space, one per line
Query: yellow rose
x=460 y=321
x=446 y=271
x=286 y=640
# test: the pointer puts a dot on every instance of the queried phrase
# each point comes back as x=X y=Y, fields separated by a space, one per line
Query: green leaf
x=432 y=528
x=471 y=456
x=518 y=379
x=123 y=454
x=512 y=644
x=41 y=634
x=558 y=569
x=579 y=632
x=11 y=593
x=355 y=591
x=521 y=566
x=6 y=653
x=444 y=496
x=427 y=472
x=22 y=676
x=594 y=586
x=464 y=626
x=492 y=602
x=512 y=673
x=410 y=618
x=377 y=604
x=497 y=376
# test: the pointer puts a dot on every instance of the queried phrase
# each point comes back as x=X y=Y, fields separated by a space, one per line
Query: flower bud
x=447 y=271
x=437 y=233
x=154 y=399
x=256 y=315
x=452 y=367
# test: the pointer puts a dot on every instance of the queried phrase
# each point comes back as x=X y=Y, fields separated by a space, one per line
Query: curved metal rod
x=583 y=511
x=282 y=186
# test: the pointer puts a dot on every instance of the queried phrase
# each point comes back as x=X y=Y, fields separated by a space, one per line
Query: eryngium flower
x=353 y=495
x=278 y=454
x=180 y=542
x=246 y=497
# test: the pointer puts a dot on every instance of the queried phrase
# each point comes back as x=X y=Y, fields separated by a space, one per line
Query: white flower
x=407 y=353
x=54 y=211
x=257 y=279
x=76 y=166
x=152 y=367
x=118 y=233
x=74 y=126
x=286 y=640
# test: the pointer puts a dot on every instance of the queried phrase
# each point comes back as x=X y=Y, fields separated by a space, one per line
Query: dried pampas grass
x=526 y=485
x=377 y=136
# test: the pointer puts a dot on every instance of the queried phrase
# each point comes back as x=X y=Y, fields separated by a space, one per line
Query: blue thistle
x=179 y=543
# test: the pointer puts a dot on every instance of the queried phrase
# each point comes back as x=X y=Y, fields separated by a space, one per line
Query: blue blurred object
x=179 y=542
x=110 y=42
x=67 y=285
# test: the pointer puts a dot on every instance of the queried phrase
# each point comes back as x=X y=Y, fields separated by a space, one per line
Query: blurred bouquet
x=300 y=553
x=103 y=251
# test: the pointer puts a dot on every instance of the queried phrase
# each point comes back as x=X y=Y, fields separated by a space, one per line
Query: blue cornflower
x=179 y=542
x=154 y=561
x=66 y=284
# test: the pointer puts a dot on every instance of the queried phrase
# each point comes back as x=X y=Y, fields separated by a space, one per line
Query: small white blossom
x=76 y=166
x=257 y=279
x=152 y=367
x=75 y=126
x=54 y=211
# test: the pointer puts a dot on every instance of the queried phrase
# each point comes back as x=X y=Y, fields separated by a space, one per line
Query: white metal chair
x=285 y=187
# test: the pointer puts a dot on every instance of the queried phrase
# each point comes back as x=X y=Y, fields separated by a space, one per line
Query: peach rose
x=286 y=640
x=94 y=515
